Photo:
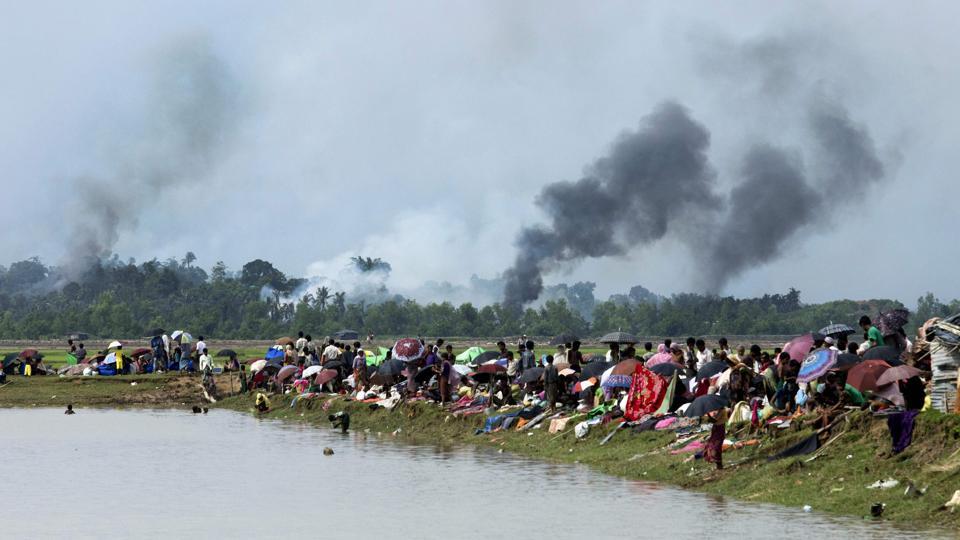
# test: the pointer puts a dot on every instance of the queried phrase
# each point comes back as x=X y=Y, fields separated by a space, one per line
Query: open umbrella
x=325 y=376
x=462 y=369
x=594 y=369
x=704 y=405
x=619 y=337
x=229 y=353
x=139 y=352
x=845 y=361
x=566 y=372
x=886 y=353
x=311 y=371
x=897 y=373
x=799 y=347
x=10 y=358
x=531 y=375
x=626 y=367
x=667 y=369
x=29 y=353
x=491 y=368
x=274 y=352
x=408 y=349
x=711 y=369
x=486 y=357
x=257 y=365
x=584 y=385
x=467 y=356
x=659 y=358
x=891 y=322
x=286 y=372
x=563 y=339
x=837 y=330
x=335 y=364
x=181 y=337
x=153 y=332
x=816 y=365
x=864 y=375
x=391 y=368
x=91 y=358
x=284 y=341
x=425 y=374
x=110 y=359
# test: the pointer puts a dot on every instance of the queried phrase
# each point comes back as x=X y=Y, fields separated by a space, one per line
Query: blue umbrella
x=816 y=365
x=274 y=352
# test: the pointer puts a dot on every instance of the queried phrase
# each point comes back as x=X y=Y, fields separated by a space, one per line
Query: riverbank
x=834 y=482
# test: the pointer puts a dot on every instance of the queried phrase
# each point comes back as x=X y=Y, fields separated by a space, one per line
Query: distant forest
x=124 y=299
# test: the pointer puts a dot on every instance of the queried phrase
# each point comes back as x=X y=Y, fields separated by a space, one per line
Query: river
x=171 y=474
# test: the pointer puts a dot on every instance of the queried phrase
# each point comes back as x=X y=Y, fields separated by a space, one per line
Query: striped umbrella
x=816 y=365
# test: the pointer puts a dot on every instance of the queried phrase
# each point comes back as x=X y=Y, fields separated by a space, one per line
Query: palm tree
x=323 y=295
x=340 y=302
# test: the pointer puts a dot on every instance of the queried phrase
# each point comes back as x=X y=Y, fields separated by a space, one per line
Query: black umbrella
x=425 y=374
x=666 y=369
x=619 y=337
x=334 y=364
x=886 y=353
x=156 y=332
x=846 y=361
x=531 y=375
x=10 y=358
x=563 y=339
x=837 y=330
x=594 y=369
x=711 y=369
x=892 y=321
x=486 y=357
x=704 y=405
x=230 y=353
x=391 y=368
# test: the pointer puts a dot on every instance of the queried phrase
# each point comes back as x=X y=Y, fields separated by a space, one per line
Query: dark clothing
x=528 y=360
x=914 y=394
x=901 y=429
x=551 y=375
x=713 y=453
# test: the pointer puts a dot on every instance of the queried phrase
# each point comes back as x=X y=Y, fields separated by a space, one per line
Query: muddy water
x=171 y=474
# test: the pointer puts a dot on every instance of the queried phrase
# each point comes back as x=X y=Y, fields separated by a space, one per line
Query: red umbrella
x=29 y=353
x=139 y=352
x=94 y=358
x=799 y=347
x=325 y=376
x=897 y=373
x=490 y=368
x=408 y=350
x=864 y=375
x=626 y=367
x=286 y=372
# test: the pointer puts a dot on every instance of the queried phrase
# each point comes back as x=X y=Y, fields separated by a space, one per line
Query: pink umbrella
x=663 y=356
x=799 y=347
x=408 y=350
x=325 y=376
x=286 y=372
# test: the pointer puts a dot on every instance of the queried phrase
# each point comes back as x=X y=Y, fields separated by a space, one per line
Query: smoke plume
x=185 y=131
x=650 y=179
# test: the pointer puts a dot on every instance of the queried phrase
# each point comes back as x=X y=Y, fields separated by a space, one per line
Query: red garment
x=713 y=452
x=646 y=393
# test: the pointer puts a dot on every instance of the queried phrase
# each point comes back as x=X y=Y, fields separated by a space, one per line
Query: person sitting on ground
x=69 y=409
x=262 y=403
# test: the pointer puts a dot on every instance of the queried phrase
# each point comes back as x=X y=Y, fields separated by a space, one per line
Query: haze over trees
x=114 y=298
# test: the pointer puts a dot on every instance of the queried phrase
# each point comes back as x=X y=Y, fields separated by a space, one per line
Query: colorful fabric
x=647 y=390
x=713 y=451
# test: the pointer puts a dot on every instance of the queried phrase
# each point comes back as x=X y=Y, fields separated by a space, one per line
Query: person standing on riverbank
x=206 y=362
x=444 y=378
x=118 y=354
x=551 y=383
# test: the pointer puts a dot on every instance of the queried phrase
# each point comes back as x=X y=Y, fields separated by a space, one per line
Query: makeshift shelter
x=467 y=356
x=347 y=335
x=944 y=339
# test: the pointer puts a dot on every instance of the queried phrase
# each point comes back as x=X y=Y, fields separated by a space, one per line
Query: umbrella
x=10 y=359
x=666 y=370
x=594 y=369
x=139 y=352
x=846 y=361
x=531 y=375
x=566 y=372
x=563 y=339
x=391 y=368
x=892 y=321
x=286 y=372
x=29 y=353
x=594 y=358
x=711 y=369
x=816 y=365
x=274 y=352
x=325 y=376
x=284 y=341
x=110 y=359
x=461 y=369
x=486 y=357
x=181 y=336
x=425 y=374
x=886 y=353
x=257 y=365
x=156 y=332
x=93 y=358
x=897 y=373
x=347 y=335
x=799 y=347
x=584 y=385
x=659 y=358
x=228 y=353
x=619 y=337
x=408 y=349
x=310 y=371
x=491 y=368
x=704 y=405
x=335 y=364
x=837 y=330
x=626 y=367
x=864 y=375
x=467 y=356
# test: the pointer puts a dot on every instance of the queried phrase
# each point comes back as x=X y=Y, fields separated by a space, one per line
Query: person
x=561 y=356
x=301 y=344
x=359 y=366
x=873 y=336
x=72 y=349
x=242 y=376
x=118 y=354
x=69 y=409
x=575 y=357
x=289 y=355
x=551 y=383
x=262 y=403
x=206 y=361
x=513 y=365
x=528 y=359
x=201 y=345
x=648 y=351
x=311 y=349
x=501 y=350
x=331 y=352
x=81 y=353
x=830 y=344
x=500 y=392
x=449 y=351
x=704 y=356
x=613 y=353
x=28 y=368
x=690 y=354
x=521 y=341
x=431 y=359
x=340 y=420
x=667 y=343
x=444 y=377
x=438 y=348
x=741 y=355
x=713 y=452
x=725 y=347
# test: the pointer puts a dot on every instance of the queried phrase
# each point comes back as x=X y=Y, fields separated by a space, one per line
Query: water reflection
x=170 y=474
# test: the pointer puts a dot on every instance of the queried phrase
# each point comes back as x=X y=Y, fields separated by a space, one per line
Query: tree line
x=124 y=299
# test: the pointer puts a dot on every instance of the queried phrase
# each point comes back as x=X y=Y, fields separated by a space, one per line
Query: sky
x=422 y=132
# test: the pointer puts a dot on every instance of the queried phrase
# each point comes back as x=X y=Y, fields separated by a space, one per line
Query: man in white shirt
x=703 y=354
x=561 y=356
x=206 y=361
x=331 y=353
x=201 y=345
x=301 y=344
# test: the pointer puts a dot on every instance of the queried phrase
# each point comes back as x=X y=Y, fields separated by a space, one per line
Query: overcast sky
x=421 y=132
